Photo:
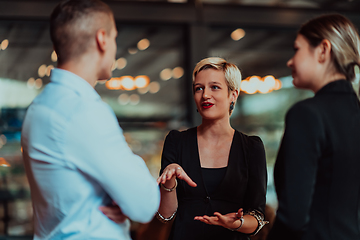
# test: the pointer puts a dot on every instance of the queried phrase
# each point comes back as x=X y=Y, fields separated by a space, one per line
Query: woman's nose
x=205 y=93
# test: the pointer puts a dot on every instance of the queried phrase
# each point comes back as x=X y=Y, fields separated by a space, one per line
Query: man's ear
x=324 y=51
x=101 y=39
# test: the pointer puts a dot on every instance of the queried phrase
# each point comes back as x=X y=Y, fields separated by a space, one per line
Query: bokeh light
x=177 y=72
x=263 y=85
x=142 y=81
x=48 y=70
x=128 y=83
x=54 y=57
x=121 y=63
x=143 y=90
x=123 y=99
x=166 y=74
x=134 y=99
x=42 y=70
x=237 y=34
x=143 y=44
x=132 y=51
x=154 y=87
x=4 y=44
x=38 y=83
x=31 y=83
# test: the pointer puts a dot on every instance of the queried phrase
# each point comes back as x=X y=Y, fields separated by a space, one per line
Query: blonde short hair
x=344 y=39
x=231 y=71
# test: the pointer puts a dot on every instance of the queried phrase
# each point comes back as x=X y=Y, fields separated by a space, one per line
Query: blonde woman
x=213 y=169
x=317 y=168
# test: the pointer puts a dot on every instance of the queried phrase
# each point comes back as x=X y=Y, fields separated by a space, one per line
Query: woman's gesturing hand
x=230 y=220
x=173 y=171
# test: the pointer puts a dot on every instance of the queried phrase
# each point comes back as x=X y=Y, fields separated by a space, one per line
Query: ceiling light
x=48 y=70
x=123 y=99
x=4 y=44
x=121 y=63
x=54 y=56
x=143 y=90
x=166 y=74
x=142 y=81
x=277 y=84
x=143 y=44
x=269 y=81
x=237 y=34
x=132 y=51
x=113 y=66
x=128 y=83
x=134 y=99
x=177 y=72
x=31 y=82
x=263 y=88
x=113 y=84
x=42 y=70
x=253 y=84
x=38 y=83
x=154 y=87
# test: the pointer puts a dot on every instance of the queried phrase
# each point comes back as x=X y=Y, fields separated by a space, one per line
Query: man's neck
x=85 y=69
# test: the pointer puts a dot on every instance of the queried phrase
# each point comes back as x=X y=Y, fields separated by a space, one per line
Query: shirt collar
x=74 y=82
x=339 y=86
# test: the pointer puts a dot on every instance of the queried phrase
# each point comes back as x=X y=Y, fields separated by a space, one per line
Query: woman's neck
x=328 y=75
x=218 y=128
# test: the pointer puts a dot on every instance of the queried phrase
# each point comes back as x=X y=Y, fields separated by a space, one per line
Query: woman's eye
x=215 y=87
x=198 y=88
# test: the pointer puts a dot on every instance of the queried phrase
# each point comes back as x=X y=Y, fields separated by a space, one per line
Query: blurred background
x=159 y=43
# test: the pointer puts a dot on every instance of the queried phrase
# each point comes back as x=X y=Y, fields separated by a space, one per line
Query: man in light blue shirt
x=75 y=154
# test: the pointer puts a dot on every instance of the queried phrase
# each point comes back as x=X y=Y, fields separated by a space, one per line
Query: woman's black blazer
x=317 y=172
x=244 y=184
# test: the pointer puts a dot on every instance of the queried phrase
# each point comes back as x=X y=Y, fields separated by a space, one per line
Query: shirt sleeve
x=170 y=149
x=255 y=197
x=295 y=170
x=96 y=145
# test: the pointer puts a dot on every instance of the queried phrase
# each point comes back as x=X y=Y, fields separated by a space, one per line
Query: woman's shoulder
x=177 y=135
x=188 y=131
x=249 y=139
x=308 y=109
x=252 y=143
x=254 y=149
x=306 y=105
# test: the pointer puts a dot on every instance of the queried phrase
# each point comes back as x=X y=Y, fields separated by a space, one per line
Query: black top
x=243 y=186
x=317 y=169
x=213 y=177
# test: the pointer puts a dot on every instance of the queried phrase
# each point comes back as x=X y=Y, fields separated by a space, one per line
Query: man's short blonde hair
x=231 y=71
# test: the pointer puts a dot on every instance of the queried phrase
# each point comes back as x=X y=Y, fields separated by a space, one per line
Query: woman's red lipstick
x=207 y=105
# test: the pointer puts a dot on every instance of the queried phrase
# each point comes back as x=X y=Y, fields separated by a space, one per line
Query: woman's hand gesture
x=173 y=171
x=230 y=220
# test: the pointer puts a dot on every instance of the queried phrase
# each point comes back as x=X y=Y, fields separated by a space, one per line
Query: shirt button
x=207 y=199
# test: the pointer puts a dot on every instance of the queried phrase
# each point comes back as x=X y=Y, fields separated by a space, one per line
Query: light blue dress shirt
x=77 y=159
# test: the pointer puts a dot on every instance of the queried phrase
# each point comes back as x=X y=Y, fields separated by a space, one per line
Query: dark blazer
x=244 y=184
x=317 y=169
